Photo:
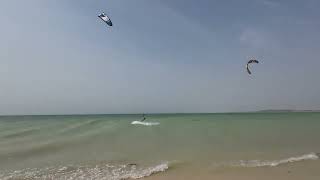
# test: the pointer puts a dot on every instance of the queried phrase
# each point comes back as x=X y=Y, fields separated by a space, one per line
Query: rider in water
x=144 y=118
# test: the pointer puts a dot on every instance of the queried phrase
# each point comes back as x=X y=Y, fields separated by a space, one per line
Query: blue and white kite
x=105 y=19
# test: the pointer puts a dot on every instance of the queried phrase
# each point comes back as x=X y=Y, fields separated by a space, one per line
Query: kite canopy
x=105 y=19
x=250 y=62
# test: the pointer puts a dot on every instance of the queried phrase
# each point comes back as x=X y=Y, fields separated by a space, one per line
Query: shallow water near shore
x=185 y=146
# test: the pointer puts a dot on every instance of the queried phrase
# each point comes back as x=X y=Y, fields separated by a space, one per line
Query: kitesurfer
x=143 y=118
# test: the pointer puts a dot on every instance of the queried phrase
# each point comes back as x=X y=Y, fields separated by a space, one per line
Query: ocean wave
x=22 y=133
x=274 y=163
x=145 y=123
x=96 y=172
x=77 y=126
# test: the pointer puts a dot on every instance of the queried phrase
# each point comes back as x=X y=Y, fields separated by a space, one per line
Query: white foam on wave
x=145 y=123
x=149 y=171
x=97 y=172
x=264 y=163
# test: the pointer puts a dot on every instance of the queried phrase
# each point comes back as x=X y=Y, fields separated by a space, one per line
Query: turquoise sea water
x=111 y=147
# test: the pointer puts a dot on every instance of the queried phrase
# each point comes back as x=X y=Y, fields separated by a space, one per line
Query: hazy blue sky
x=57 y=57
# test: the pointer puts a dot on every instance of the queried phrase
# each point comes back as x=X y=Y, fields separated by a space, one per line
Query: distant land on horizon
x=287 y=110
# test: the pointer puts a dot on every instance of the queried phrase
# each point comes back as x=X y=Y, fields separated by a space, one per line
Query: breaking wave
x=274 y=163
x=97 y=172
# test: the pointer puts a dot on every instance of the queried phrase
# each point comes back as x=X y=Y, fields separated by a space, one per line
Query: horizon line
x=159 y=113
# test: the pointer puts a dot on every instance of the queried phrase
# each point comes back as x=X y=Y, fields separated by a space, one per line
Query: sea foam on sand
x=95 y=172
x=271 y=163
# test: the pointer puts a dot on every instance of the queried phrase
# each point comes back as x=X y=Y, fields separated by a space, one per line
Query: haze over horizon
x=162 y=56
